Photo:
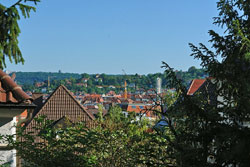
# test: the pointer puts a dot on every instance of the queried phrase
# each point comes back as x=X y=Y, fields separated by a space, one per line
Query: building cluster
x=19 y=108
x=138 y=103
x=142 y=101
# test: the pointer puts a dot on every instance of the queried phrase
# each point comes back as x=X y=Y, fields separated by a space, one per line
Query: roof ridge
x=89 y=114
x=190 y=86
x=68 y=92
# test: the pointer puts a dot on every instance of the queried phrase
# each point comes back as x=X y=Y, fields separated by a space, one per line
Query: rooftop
x=10 y=92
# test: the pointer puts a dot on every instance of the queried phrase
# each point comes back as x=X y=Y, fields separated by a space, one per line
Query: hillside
x=31 y=77
x=99 y=83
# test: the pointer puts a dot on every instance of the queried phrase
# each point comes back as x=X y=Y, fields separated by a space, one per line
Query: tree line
x=100 y=83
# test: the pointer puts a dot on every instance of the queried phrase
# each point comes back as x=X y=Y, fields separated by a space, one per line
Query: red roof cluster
x=93 y=98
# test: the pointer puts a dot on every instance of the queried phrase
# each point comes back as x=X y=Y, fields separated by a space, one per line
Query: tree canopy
x=116 y=140
x=211 y=128
x=28 y=80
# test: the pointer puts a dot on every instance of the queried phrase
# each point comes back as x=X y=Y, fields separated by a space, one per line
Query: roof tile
x=195 y=85
x=10 y=92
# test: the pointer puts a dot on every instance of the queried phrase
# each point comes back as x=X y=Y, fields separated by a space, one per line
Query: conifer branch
x=7 y=9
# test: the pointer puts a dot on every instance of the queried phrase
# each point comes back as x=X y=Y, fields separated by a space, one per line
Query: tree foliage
x=117 y=140
x=211 y=128
x=134 y=82
x=9 y=30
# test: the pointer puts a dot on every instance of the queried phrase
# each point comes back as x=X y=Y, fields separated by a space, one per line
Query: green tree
x=192 y=70
x=9 y=30
x=211 y=127
x=116 y=140
x=85 y=75
x=90 y=83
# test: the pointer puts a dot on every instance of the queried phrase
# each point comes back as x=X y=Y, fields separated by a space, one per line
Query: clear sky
x=106 y=36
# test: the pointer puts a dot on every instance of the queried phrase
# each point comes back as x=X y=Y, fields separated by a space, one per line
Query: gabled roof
x=11 y=93
x=60 y=104
x=62 y=99
x=195 y=85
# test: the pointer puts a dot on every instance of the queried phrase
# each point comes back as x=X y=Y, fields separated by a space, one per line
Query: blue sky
x=106 y=36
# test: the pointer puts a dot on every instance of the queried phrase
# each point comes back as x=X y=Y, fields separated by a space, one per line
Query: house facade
x=13 y=102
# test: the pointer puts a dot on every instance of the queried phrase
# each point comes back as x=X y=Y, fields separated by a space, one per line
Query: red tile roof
x=10 y=92
x=93 y=98
x=195 y=85
x=148 y=110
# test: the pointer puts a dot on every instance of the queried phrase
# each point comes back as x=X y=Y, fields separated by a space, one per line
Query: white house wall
x=8 y=155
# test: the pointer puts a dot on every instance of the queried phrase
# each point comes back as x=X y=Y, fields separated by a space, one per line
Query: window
x=141 y=107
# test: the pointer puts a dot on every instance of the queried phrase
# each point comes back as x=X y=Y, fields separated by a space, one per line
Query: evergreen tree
x=9 y=30
x=211 y=128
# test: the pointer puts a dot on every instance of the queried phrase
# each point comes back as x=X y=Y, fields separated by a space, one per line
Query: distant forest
x=99 y=83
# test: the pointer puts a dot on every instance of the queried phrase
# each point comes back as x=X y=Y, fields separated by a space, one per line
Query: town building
x=13 y=102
